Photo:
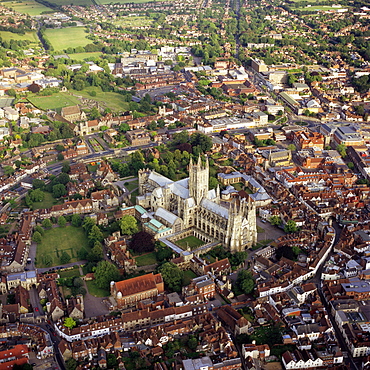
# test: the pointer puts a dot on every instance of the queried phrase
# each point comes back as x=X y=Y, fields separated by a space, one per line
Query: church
x=188 y=207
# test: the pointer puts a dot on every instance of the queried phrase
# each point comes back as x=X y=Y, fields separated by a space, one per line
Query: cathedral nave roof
x=215 y=208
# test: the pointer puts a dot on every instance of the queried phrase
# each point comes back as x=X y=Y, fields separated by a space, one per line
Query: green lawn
x=83 y=56
x=146 y=259
x=132 y=185
x=317 y=8
x=63 y=38
x=190 y=241
x=75 y=272
x=30 y=36
x=54 y=102
x=95 y=291
x=48 y=202
x=262 y=243
x=116 y=102
x=134 y=194
x=73 y=2
x=58 y=239
x=188 y=275
x=30 y=7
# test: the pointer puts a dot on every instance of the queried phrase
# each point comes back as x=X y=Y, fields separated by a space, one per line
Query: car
x=36 y=309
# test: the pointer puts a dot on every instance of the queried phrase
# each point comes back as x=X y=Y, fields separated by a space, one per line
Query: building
x=138 y=137
x=199 y=208
x=129 y=292
x=305 y=140
x=73 y=113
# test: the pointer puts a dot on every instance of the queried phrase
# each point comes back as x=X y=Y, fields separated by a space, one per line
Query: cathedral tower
x=198 y=180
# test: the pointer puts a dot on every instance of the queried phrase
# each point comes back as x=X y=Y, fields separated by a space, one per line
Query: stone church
x=189 y=205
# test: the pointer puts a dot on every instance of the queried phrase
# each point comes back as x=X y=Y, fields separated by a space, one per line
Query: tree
x=105 y=273
x=192 y=343
x=142 y=242
x=65 y=258
x=342 y=150
x=69 y=323
x=290 y=227
x=291 y=147
x=163 y=253
x=62 y=221
x=36 y=237
x=66 y=167
x=71 y=364
x=63 y=178
x=96 y=253
x=60 y=157
x=95 y=235
x=59 y=190
x=275 y=220
x=128 y=225
x=88 y=224
x=38 y=184
x=245 y=281
x=172 y=276
x=36 y=195
x=76 y=220
x=8 y=170
x=47 y=223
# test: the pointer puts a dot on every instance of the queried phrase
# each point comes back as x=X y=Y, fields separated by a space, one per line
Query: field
x=48 y=202
x=134 y=22
x=58 y=239
x=95 y=291
x=75 y=272
x=65 y=38
x=7 y=36
x=54 y=102
x=30 y=7
x=132 y=185
x=73 y=2
x=146 y=259
x=190 y=241
x=317 y=8
x=124 y=1
x=83 y=56
x=116 y=102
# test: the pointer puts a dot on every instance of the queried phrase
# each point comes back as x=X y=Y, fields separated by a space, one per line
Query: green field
x=30 y=7
x=58 y=239
x=146 y=259
x=317 y=8
x=54 y=102
x=30 y=36
x=72 y=2
x=95 y=291
x=132 y=185
x=65 y=38
x=83 y=56
x=133 y=22
x=48 y=202
x=116 y=102
x=188 y=275
x=191 y=241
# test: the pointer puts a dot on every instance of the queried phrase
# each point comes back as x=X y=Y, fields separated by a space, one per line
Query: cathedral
x=188 y=204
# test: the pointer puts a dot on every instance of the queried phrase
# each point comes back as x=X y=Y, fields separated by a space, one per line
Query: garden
x=191 y=242
x=96 y=146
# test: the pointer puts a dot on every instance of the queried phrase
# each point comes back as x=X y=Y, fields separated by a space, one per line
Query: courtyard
x=191 y=242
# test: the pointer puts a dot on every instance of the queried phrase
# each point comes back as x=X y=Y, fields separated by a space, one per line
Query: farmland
x=30 y=7
x=127 y=22
x=64 y=38
x=30 y=36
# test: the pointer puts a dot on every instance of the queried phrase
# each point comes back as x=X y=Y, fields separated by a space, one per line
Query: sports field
x=65 y=38
x=72 y=2
x=30 y=7
x=83 y=56
x=7 y=36
x=318 y=8
x=54 y=102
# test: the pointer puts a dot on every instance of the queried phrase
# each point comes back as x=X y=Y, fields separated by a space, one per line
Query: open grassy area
x=75 y=272
x=30 y=7
x=54 y=102
x=262 y=243
x=48 y=202
x=133 y=195
x=95 y=291
x=133 y=22
x=146 y=259
x=7 y=36
x=116 y=102
x=83 y=56
x=63 y=38
x=132 y=185
x=317 y=8
x=190 y=241
x=74 y=2
x=188 y=275
x=58 y=239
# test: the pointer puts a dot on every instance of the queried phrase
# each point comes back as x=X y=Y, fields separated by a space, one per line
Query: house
x=75 y=307
x=73 y=113
x=138 y=137
x=233 y=319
